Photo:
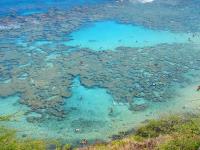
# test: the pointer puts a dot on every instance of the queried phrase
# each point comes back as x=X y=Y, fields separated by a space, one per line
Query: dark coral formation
x=55 y=24
x=126 y=73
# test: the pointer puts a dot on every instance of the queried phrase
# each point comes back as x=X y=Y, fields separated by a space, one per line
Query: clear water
x=109 y=35
x=92 y=69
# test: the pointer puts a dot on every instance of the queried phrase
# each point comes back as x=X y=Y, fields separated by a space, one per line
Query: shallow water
x=109 y=35
x=93 y=69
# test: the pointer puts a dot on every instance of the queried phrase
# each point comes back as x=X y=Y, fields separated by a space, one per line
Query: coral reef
x=127 y=73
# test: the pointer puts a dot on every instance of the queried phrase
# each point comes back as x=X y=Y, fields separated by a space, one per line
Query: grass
x=9 y=140
x=182 y=142
x=169 y=125
x=170 y=133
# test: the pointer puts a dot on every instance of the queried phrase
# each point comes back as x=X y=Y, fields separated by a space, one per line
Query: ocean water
x=96 y=69
x=109 y=35
x=24 y=7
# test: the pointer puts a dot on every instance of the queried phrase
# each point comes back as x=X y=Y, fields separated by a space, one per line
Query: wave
x=145 y=1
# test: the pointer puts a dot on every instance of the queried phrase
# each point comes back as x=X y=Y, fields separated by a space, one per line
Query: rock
x=198 y=88
x=51 y=147
x=77 y=130
x=138 y=107
x=84 y=142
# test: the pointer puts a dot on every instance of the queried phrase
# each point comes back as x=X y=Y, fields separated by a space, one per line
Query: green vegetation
x=5 y=118
x=170 y=125
x=182 y=142
x=183 y=132
x=170 y=133
x=9 y=140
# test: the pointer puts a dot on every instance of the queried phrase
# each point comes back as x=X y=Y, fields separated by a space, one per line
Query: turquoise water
x=91 y=112
x=10 y=105
x=109 y=35
x=94 y=69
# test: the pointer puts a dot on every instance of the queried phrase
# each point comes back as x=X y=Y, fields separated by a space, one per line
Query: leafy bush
x=9 y=140
x=182 y=142
x=169 y=133
x=154 y=128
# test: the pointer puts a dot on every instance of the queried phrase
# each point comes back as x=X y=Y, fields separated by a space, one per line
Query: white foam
x=145 y=1
x=9 y=27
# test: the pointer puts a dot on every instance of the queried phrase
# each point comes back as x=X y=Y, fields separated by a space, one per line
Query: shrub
x=182 y=142
x=154 y=128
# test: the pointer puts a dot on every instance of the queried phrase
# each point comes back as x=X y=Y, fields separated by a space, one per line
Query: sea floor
x=95 y=70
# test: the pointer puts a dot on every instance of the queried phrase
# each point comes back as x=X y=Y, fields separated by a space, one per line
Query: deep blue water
x=23 y=7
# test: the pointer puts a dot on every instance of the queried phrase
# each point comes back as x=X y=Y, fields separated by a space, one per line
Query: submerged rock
x=84 y=142
x=138 y=104
x=138 y=107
